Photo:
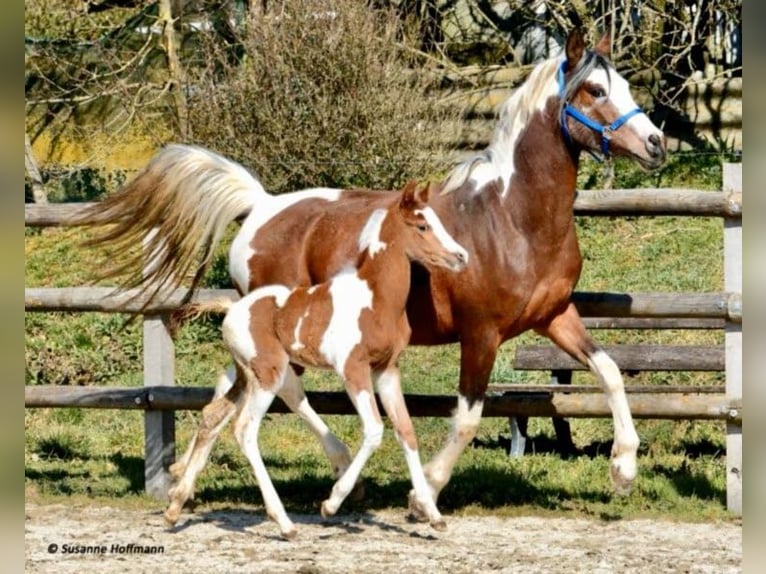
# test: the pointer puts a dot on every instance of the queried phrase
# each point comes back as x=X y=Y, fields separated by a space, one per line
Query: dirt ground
x=242 y=541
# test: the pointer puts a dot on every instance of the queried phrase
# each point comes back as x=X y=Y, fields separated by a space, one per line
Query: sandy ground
x=242 y=541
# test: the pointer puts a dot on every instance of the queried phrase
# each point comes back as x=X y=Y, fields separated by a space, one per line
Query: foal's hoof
x=290 y=534
x=171 y=516
x=439 y=525
x=176 y=470
x=325 y=510
x=416 y=512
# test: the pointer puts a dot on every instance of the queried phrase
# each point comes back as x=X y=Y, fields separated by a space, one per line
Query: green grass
x=97 y=454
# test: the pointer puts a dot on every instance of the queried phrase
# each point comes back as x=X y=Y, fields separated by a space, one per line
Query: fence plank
x=657 y=305
x=627 y=357
x=732 y=246
x=646 y=201
x=540 y=401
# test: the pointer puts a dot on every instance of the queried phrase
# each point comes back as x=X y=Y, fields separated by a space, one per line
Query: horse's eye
x=423 y=227
x=597 y=92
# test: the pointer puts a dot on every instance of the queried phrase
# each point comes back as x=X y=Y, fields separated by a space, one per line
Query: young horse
x=511 y=206
x=355 y=323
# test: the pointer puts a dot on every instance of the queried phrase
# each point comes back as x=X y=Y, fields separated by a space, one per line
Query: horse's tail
x=177 y=207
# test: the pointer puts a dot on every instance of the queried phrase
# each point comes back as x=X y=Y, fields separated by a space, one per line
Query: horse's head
x=598 y=112
x=423 y=235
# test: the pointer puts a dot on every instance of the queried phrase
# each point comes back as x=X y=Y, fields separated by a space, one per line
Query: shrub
x=320 y=94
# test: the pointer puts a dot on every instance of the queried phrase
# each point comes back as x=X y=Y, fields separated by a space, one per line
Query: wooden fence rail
x=159 y=398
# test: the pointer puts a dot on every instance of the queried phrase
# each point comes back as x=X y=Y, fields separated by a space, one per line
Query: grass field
x=98 y=454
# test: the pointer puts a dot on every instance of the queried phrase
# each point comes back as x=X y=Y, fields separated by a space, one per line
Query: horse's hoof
x=439 y=525
x=623 y=472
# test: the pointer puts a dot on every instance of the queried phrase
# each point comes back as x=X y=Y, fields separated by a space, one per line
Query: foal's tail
x=178 y=206
x=193 y=310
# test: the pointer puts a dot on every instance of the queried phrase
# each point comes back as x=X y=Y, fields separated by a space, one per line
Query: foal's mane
x=528 y=98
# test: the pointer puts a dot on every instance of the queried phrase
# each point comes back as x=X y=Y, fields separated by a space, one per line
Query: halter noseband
x=605 y=131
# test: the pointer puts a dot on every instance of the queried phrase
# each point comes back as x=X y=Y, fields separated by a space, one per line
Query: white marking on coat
x=369 y=238
x=350 y=295
x=236 y=324
x=441 y=234
x=241 y=252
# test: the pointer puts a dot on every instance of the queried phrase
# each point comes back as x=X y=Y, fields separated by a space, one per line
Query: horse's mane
x=515 y=113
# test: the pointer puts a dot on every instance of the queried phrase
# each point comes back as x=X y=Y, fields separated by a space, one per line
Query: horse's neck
x=543 y=187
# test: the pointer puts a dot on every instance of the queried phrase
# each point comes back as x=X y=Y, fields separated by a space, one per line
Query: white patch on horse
x=350 y=295
x=618 y=90
x=369 y=238
x=236 y=325
x=441 y=234
x=297 y=345
x=241 y=252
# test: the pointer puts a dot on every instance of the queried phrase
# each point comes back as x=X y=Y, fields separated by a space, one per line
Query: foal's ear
x=411 y=195
x=422 y=193
x=574 y=48
x=604 y=46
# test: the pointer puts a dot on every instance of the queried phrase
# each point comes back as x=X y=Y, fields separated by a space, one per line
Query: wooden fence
x=159 y=398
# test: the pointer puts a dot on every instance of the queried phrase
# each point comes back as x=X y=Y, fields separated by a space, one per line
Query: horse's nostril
x=654 y=146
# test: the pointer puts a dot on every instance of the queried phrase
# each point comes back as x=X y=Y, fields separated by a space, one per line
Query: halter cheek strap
x=605 y=131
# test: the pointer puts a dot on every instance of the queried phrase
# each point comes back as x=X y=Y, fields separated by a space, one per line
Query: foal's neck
x=387 y=271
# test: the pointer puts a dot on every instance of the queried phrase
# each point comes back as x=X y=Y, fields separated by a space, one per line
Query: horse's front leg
x=477 y=357
x=568 y=332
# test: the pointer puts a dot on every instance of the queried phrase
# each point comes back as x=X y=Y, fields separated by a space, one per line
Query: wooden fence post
x=732 y=245
x=159 y=426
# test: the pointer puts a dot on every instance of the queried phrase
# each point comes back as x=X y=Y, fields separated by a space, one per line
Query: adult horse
x=510 y=206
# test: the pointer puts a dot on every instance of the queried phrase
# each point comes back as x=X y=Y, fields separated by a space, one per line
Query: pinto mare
x=355 y=323
x=510 y=206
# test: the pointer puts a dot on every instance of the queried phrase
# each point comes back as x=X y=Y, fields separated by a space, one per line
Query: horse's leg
x=478 y=350
x=359 y=388
x=215 y=415
x=264 y=388
x=568 y=332
x=293 y=395
x=225 y=382
x=390 y=392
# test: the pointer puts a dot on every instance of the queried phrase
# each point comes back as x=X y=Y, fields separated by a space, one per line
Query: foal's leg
x=390 y=392
x=477 y=357
x=225 y=382
x=568 y=332
x=246 y=429
x=359 y=388
x=293 y=395
x=215 y=415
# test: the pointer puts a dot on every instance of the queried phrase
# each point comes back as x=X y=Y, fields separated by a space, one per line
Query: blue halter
x=605 y=131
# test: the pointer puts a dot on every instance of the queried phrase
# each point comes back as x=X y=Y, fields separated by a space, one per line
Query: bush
x=321 y=94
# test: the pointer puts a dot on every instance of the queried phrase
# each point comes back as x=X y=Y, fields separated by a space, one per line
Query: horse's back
x=310 y=240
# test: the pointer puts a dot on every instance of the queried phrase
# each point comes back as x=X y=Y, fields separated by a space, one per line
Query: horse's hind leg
x=225 y=382
x=246 y=430
x=568 y=332
x=390 y=392
x=214 y=417
x=293 y=395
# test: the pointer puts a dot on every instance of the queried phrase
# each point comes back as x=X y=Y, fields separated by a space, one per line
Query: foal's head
x=421 y=232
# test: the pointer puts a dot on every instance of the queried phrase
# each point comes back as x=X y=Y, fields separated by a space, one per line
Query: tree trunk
x=175 y=70
x=30 y=166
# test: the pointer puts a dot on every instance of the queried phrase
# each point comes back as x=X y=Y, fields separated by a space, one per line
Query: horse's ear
x=422 y=193
x=604 y=46
x=574 y=48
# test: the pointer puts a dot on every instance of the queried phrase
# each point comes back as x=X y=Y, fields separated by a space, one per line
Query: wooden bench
x=632 y=359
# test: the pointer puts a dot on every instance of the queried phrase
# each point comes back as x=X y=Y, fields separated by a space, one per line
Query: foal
x=355 y=323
